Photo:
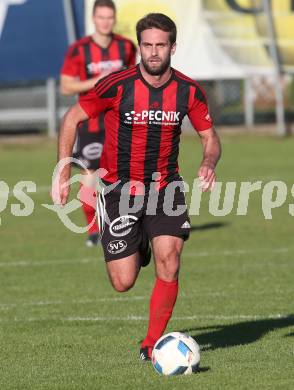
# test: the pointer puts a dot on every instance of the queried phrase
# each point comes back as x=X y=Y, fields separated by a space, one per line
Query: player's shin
x=162 y=302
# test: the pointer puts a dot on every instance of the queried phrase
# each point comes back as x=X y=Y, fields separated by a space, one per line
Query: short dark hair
x=160 y=21
x=104 y=3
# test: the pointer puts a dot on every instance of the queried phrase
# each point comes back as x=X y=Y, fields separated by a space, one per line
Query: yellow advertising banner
x=283 y=17
x=241 y=28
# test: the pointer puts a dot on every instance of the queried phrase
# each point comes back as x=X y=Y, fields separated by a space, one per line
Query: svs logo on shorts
x=116 y=246
x=122 y=226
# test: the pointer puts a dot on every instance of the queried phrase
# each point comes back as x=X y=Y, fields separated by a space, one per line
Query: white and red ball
x=176 y=353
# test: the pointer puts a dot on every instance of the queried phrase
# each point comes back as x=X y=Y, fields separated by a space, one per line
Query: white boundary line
x=237 y=252
x=27 y=263
x=11 y=305
x=145 y=318
x=5 y=306
x=194 y=317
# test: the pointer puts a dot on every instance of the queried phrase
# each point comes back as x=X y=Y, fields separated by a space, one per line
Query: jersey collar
x=151 y=86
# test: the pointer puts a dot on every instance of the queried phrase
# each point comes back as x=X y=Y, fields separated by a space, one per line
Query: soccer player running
x=87 y=61
x=145 y=106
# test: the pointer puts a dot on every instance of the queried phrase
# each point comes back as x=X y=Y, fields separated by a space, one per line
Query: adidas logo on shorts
x=186 y=225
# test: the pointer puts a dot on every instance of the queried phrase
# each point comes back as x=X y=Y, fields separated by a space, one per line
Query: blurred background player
x=87 y=61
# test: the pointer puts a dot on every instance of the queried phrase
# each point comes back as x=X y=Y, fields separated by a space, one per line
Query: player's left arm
x=202 y=122
x=211 y=155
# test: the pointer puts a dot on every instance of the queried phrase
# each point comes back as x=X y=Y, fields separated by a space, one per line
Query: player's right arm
x=72 y=118
x=70 y=85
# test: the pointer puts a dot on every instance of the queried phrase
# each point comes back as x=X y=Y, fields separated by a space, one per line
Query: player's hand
x=60 y=190
x=207 y=177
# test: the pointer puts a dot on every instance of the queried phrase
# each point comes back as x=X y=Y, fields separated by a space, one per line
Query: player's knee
x=169 y=258
x=121 y=284
x=168 y=265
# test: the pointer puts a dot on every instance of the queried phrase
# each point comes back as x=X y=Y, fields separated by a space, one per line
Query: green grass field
x=63 y=327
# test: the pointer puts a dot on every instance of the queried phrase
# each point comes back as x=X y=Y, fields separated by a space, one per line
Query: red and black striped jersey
x=85 y=59
x=143 y=123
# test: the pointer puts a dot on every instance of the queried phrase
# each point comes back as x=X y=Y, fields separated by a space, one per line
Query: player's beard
x=158 y=71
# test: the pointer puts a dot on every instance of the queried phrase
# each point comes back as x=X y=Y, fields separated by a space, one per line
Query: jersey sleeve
x=72 y=63
x=99 y=99
x=198 y=111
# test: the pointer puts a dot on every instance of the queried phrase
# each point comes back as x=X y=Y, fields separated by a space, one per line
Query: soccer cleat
x=145 y=353
x=93 y=240
x=145 y=250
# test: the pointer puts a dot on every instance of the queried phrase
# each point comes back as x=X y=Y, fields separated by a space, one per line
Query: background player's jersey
x=143 y=123
x=85 y=59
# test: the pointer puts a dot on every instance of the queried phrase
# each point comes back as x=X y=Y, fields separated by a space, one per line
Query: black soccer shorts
x=88 y=148
x=121 y=228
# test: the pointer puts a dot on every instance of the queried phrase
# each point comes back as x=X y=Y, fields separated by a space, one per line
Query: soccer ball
x=175 y=354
